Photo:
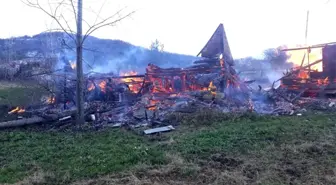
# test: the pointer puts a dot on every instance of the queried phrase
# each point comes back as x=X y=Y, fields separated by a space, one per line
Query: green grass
x=251 y=150
x=20 y=96
x=246 y=135
x=79 y=155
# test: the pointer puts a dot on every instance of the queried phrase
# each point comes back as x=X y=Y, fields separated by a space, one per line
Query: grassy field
x=19 y=93
x=205 y=149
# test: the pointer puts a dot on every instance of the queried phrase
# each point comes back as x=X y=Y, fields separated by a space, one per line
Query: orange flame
x=212 y=88
x=51 y=100
x=153 y=104
x=102 y=86
x=323 y=81
x=134 y=84
x=91 y=87
x=303 y=75
x=16 y=110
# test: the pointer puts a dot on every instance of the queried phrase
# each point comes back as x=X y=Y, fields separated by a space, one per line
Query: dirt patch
x=251 y=171
x=39 y=178
x=224 y=162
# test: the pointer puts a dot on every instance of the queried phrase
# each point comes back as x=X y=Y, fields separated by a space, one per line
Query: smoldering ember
x=212 y=83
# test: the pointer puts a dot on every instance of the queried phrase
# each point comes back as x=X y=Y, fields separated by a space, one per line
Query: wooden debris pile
x=313 y=82
x=134 y=100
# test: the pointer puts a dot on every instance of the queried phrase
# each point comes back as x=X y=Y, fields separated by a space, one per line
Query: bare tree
x=54 y=11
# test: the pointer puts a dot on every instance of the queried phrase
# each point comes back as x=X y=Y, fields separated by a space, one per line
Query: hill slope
x=101 y=55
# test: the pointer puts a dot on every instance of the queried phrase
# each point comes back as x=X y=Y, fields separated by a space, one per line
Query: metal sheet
x=159 y=129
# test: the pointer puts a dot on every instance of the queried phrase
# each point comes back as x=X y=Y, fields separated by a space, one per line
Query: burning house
x=210 y=78
x=317 y=78
x=214 y=69
x=210 y=83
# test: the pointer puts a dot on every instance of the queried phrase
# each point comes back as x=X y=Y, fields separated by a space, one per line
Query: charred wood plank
x=36 y=120
x=22 y=122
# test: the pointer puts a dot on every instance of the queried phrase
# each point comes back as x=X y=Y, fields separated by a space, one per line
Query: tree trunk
x=79 y=67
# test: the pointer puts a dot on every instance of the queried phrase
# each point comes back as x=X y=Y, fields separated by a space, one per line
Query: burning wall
x=298 y=57
x=318 y=76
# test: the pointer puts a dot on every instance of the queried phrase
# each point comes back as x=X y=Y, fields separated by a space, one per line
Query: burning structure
x=144 y=99
x=214 y=69
x=310 y=80
x=208 y=80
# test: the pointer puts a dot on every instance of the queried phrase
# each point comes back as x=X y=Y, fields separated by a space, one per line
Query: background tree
x=55 y=11
x=277 y=58
x=156 y=54
x=156 y=46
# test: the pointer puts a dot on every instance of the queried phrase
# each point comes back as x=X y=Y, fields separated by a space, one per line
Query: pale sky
x=184 y=26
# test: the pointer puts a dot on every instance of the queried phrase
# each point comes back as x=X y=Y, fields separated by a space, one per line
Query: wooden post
x=183 y=79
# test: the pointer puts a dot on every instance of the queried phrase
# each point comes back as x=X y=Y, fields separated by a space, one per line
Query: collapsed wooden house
x=215 y=68
x=311 y=82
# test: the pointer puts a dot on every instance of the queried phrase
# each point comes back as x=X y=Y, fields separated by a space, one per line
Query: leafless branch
x=58 y=30
x=88 y=24
x=73 y=9
x=106 y=22
x=98 y=15
x=53 y=15
x=66 y=22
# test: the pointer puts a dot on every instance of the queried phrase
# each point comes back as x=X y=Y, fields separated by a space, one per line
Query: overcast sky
x=184 y=26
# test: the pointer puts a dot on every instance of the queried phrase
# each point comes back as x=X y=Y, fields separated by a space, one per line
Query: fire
x=323 y=82
x=296 y=57
x=17 y=110
x=72 y=64
x=303 y=75
x=130 y=73
x=51 y=100
x=152 y=104
x=102 y=86
x=212 y=88
x=221 y=63
x=326 y=80
x=91 y=87
x=135 y=83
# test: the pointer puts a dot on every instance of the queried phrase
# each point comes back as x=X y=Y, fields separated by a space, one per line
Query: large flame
x=134 y=83
x=296 y=57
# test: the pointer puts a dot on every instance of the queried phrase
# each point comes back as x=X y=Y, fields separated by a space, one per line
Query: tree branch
x=98 y=15
x=66 y=22
x=73 y=9
x=53 y=16
x=103 y=24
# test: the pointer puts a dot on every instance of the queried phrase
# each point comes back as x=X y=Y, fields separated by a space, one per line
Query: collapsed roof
x=217 y=45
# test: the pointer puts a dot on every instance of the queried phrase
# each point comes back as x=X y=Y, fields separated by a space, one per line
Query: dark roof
x=217 y=45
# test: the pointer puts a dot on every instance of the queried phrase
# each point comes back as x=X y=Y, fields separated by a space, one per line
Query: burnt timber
x=320 y=83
